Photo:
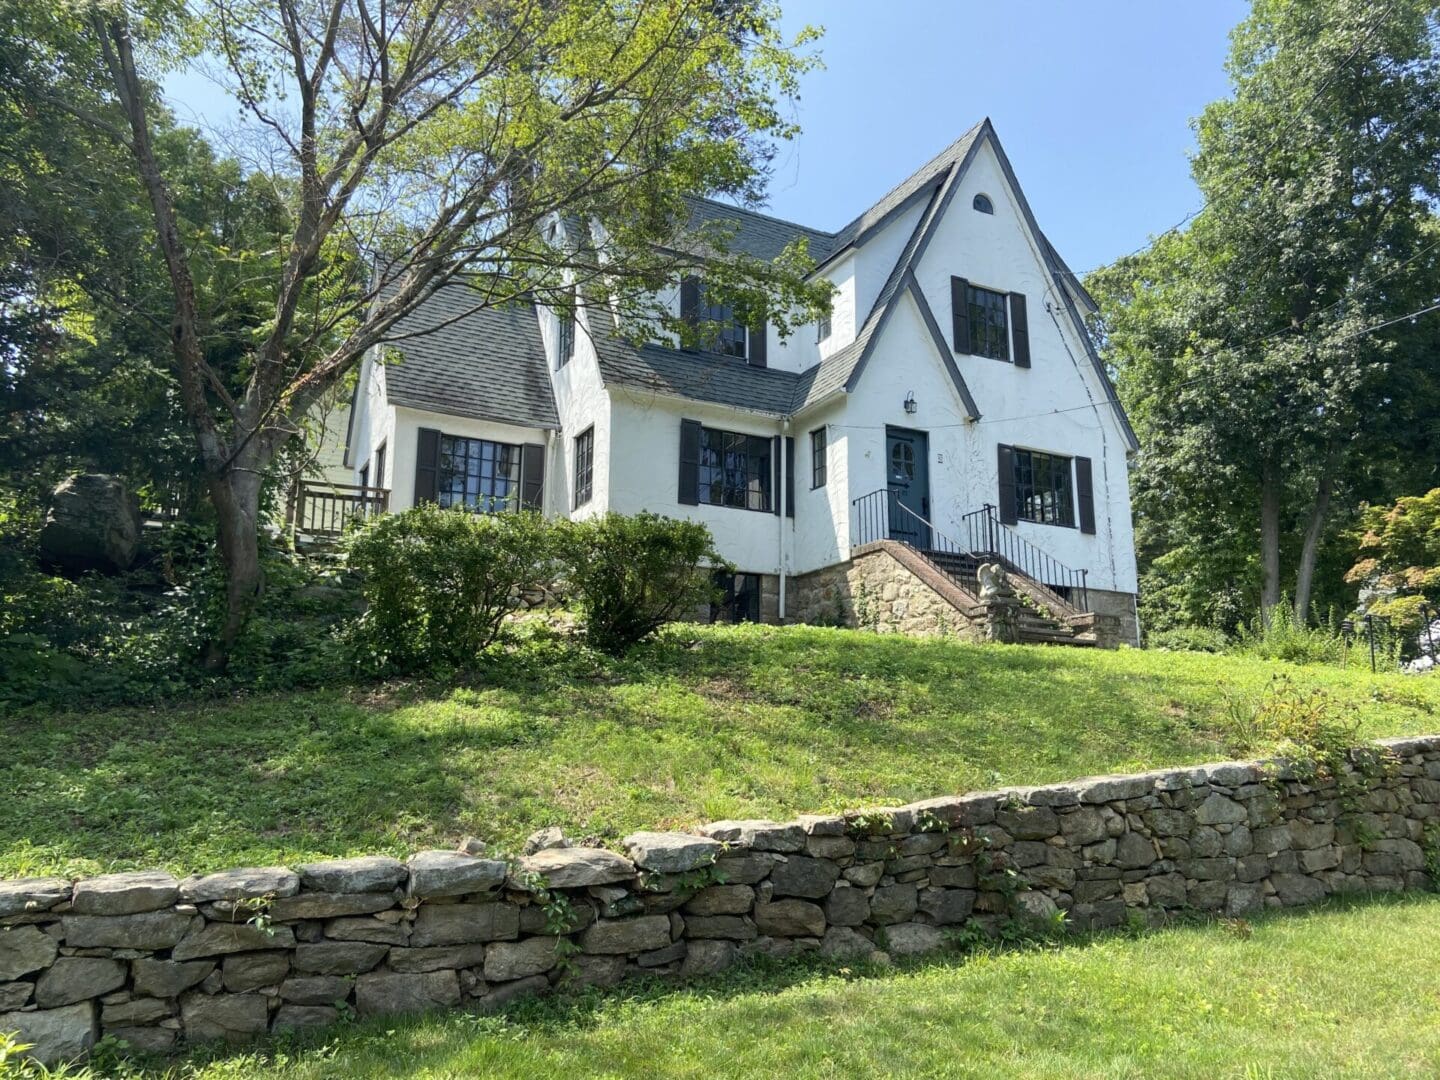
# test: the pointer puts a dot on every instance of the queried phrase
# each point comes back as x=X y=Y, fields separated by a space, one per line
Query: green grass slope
x=704 y=724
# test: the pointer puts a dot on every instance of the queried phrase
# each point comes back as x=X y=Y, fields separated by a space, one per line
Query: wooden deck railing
x=320 y=509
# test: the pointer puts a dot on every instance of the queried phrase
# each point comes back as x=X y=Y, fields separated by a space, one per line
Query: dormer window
x=565 y=341
x=730 y=338
x=983 y=204
x=724 y=334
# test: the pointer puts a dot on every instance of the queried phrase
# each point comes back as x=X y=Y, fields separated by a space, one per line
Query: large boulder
x=93 y=524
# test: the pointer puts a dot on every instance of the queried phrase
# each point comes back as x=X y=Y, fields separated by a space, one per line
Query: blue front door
x=907 y=465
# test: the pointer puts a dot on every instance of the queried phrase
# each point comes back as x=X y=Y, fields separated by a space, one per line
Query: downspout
x=784 y=511
x=548 y=496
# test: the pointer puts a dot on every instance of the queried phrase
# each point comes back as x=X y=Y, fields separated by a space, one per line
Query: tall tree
x=1253 y=348
x=416 y=142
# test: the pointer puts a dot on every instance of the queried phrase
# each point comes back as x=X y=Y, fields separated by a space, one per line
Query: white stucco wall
x=875 y=260
x=581 y=402
x=1058 y=405
x=408 y=423
x=374 y=424
x=645 y=475
x=844 y=322
x=822 y=515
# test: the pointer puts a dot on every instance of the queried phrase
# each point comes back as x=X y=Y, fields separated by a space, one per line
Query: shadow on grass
x=433 y=1040
x=699 y=724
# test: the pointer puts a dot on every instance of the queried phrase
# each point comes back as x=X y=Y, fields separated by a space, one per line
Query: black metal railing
x=319 y=509
x=993 y=541
x=882 y=516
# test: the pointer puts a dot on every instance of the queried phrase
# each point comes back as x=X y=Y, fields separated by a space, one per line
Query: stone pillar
x=1001 y=605
x=1002 y=619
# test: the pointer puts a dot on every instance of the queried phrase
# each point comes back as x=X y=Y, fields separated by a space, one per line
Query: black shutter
x=532 y=476
x=789 y=476
x=755 y=350
x=1085 y=494
x=427 y=467
x=775 y=478
x=1006 y=463
x=690 y=462
x=1019 y=330
x=960 y=313
x=690 y=301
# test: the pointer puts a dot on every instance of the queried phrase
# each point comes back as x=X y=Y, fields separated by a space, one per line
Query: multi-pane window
x=478 y=474
x=1044 y=492
x=989 y=328
x=822 y=329
x=739 y=599
x=729 y=336
x=584 y=466
x=817 y=457
x=565 y=344
x=565 y=339
x=734 y=469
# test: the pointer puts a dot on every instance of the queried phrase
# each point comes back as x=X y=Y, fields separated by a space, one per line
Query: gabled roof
x=486 y=364
x=846 y=366
x=905 y=193
x=940 y=177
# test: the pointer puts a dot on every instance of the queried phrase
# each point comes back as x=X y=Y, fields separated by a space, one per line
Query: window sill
x=722 y=506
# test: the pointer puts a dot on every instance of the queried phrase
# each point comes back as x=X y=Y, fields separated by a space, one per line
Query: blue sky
x=1091 y=100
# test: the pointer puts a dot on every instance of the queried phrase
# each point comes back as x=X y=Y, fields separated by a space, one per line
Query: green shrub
x=631 y=575
x=439 y=584
x=1285 y=637
x=1306 y=725
x=136 y=637
x=1188 y=639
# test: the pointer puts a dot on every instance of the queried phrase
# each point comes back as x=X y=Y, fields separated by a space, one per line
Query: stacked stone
x=232 y=955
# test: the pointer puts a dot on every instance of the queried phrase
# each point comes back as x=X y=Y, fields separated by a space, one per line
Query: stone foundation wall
x=234 y=955
x=1118 y=608
x=875 y=591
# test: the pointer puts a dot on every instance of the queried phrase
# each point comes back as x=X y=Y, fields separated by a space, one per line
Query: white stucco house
x=953 y=404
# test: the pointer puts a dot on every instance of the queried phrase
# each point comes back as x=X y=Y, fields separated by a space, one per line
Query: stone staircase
x=1045 y=618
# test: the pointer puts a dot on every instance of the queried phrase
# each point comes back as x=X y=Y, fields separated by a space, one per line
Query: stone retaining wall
x=874 y=590
x=237 y=954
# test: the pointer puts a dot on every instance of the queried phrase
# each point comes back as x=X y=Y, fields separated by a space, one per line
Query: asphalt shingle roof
x=932 y=172
x=720 y=380
x=486 y=364
x=760 y=235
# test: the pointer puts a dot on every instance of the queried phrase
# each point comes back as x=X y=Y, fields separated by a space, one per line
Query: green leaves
x=1247 y=347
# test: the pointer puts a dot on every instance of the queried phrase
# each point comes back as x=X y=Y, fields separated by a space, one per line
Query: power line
x=1274 y=143
x=1206 y=376
x=1193 y=380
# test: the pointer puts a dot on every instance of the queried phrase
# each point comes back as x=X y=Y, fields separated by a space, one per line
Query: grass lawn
x=1345 y=990
x=704 y=724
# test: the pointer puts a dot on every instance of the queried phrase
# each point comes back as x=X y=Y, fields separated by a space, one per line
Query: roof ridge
x=951 y=150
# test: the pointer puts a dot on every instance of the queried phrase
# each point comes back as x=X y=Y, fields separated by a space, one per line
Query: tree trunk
x=1305 y=576
x=1269 y=539
x=236 y=498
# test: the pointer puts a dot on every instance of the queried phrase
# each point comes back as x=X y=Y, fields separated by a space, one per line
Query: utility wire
x=1274 y=143
x=1192 y=381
